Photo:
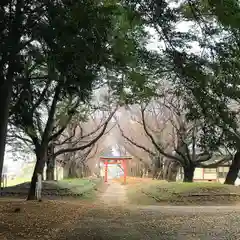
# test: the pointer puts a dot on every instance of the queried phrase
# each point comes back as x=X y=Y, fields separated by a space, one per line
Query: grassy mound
x=55 y=189
x=177 y=193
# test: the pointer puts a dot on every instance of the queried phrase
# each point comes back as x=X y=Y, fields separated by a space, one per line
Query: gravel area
x=112 y=219
x=115 y=223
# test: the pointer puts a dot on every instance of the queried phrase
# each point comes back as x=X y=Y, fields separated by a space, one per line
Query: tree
x=28 y=25
x=58 y=76
x=75 y=166
x=218 y=75
x=56 y=64
x=185 y=146
x=19 y=20
x=207 y=79
x=166 y=127
x=131 y=136
x=140 y=163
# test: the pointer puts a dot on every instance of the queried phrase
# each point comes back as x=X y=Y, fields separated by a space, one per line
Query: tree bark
x=157 y=168
x=170 y=170
x=154 y=173
x=42 y=150
x=188 y=173
x=233 y=170
x=160 y=174
x=166 y=169
x=72 y=170
x=157 y=173
x=41 y=156
x=50 y=164
x=31 y=193
x=5 y=96
x=50 y=169
x=6 y=79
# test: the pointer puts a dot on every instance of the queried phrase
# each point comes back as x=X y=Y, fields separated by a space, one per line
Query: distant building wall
x=208 y=174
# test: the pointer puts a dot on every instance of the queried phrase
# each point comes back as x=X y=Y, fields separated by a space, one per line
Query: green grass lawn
x=81 y=185
x=24 y=176
x=78 y=187
x=155 y=192
x=16 y=181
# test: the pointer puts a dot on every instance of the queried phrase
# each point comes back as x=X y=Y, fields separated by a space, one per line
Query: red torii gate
x=115 y=160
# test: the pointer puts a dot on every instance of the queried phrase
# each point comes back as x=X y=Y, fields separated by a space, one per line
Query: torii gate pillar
x=115 y=160
x=124 y=164
x=106 y=170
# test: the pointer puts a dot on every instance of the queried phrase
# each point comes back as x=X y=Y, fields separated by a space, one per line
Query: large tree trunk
x=80 y=171
x=167 y=163
x=72 y=171
x=41 y=156
x=50 y=163
x=31 y=193
x=154 y=173
x=157 y=173
x=50 y=169
x=5 y=96
x=188 y=173
x=157 y=168
x=233 y=170
x=160 y=174
x=170 y=170
x=7 y=76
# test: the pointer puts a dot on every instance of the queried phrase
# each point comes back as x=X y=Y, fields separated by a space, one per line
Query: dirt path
x=113 y=218
x=115 y=195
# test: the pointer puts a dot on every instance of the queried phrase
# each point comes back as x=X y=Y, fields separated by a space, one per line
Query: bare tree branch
x=154 y=142
x=215 y=164
x=66 y=150
x=134 y=143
